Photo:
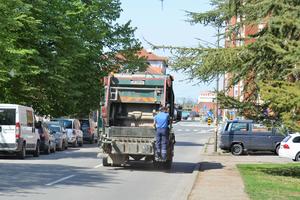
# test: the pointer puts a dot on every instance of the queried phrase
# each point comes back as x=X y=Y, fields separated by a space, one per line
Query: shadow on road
x=182 y=143
x=204 y=166
x=18 y=179
x=177 y=167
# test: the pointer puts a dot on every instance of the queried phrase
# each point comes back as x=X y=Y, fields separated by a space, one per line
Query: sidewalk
x=218 y=178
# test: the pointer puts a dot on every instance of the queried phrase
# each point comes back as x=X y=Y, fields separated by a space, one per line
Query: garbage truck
x=128 y=108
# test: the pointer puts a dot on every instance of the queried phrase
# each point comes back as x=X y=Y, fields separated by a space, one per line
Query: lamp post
x=217 y=102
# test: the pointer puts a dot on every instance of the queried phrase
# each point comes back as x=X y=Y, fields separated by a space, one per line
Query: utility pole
x=217 y=101
x=162 y=4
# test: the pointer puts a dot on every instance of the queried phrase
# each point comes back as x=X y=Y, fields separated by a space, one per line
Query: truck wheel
x=237 y=149
x=36 y=153
x=168 y=164
x=22 y=153
x=104 y=161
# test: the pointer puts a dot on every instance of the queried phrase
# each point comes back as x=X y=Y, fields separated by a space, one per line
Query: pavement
x=218 y=176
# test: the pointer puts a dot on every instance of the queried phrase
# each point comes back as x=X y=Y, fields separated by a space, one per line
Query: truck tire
x=22 y=153
x=104 y=161
x=237 y=149
x=36 y=153
x=168 y=164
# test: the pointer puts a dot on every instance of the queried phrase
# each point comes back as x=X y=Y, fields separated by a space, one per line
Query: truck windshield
x=7 y=116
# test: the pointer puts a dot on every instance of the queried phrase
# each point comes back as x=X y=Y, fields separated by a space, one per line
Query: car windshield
x=286 y=138
x=54 y=128
x=67 y=124
x=7 y=116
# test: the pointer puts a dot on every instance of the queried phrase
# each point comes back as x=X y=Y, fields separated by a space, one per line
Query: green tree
x=63 y=49
x=269 y=64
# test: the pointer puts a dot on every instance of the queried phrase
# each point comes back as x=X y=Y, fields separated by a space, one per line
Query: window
x=296 y=139
x=7 y=116
x=29 y=116
x=286 y=138
x=258 y=128
x=240 y=127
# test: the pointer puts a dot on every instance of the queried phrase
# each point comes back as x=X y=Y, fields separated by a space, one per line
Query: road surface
x=78 y=174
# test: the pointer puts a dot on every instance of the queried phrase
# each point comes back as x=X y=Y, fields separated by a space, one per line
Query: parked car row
x=239 y=136
x=20 y=134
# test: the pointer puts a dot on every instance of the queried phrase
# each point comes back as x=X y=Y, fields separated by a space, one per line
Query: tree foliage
x=53 y=54
x=268 y=63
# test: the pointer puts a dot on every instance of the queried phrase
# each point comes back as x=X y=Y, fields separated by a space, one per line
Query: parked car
x=290 y=147
x=48 y=144
x=60 y=135
x=89 y=130
x=17 y=132
x=74 y=133
x=239 y=136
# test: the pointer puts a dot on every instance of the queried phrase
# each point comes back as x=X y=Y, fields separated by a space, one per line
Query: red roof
x=151 y=56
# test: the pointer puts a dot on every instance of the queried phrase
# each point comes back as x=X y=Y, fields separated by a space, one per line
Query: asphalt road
x=78 y=174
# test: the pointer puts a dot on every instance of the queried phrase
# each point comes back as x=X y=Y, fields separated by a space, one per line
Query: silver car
x=74 y=133
x=60 y=135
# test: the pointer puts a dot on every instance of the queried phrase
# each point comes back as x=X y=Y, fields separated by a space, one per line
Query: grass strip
x=271 y=181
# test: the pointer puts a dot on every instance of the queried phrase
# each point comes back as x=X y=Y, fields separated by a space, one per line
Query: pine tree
x=269 y=63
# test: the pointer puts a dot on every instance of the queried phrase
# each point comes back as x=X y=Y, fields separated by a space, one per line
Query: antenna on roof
x=162 y=4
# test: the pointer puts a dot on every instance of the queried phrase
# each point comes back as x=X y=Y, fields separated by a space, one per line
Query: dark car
x=239 y=136
x=60 y=135
x=47 y=140
x=89 y=130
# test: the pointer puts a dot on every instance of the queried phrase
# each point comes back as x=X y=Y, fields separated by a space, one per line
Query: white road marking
x=187 y=129
x=195 y=130
x=179 y=130
x=97 y=166
x=60 y=180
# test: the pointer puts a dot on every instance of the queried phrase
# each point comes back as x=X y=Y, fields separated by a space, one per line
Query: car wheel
x=63 y=147
x=297 y=158
x=22 y=153
x=277 y=149
x=104 y=161
x=66 y=145
x=237 y=149
x=36 y=153
x=54 y=149
x=75 y=143
x=48 y=150
x=80 y=143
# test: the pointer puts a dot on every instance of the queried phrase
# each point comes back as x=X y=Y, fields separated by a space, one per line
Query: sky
x=167 y=25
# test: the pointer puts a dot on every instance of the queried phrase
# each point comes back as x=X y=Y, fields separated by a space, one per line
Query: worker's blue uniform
x=162 y=134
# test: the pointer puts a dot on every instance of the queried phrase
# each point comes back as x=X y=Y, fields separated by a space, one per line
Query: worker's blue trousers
x=162 y=137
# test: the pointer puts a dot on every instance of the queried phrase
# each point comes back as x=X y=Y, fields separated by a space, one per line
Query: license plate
x=138 y=82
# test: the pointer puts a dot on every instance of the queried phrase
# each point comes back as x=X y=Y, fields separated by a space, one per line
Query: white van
x=17 y=131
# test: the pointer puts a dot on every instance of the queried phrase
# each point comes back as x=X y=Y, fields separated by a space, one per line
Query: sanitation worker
x=161 y=123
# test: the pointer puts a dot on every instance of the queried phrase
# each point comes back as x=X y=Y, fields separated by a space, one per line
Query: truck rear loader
x=130 y=104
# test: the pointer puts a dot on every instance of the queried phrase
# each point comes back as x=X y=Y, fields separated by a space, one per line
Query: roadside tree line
x=53 y=54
